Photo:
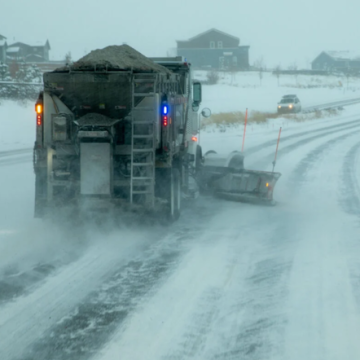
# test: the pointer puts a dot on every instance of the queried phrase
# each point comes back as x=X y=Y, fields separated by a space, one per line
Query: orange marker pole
x=243 y=142
x=277 y=147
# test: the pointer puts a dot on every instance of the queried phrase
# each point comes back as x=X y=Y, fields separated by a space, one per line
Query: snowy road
x=228 y=281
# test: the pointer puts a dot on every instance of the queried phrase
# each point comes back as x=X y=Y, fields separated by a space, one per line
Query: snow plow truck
x=118 y=129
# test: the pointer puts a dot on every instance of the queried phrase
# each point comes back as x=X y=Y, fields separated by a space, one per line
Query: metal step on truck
x=119 y=130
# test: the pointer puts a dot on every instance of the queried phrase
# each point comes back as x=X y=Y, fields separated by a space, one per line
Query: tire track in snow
x=79 y=335
x=247 y=322
x=256 y=322
x=28 y=325
x=53 y=248
x=300 y=172
x=253 y=341
x=16 y=160
x=194 y=339
x=350 y=190
x=322 y=317
x=285 y=150
x=349 y=199
x=232 y=305
x=269 y=143
x=195 y=309
x=12 y=157
x=259 y=333
x=14 y=284
x=8 y=153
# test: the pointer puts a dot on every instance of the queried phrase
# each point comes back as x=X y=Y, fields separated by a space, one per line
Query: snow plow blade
x=226 y=177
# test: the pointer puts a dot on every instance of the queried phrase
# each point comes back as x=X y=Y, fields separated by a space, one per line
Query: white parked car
x=289 y=104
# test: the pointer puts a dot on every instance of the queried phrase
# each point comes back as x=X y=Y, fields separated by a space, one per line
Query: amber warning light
x=39 y=111
x=39 y=108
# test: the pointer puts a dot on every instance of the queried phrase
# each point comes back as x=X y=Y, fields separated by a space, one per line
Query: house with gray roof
x=21 y=52
x=337 y=60
x=214 y=49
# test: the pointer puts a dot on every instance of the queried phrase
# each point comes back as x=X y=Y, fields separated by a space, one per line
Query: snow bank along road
x=332 y=105
x=228 y=281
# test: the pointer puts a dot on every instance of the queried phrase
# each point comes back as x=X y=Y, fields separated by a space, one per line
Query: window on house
x=220 y=44
x=212 y=44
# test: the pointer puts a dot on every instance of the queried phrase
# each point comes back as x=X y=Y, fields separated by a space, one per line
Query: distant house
x=214 y=49
x=21 y=52
x=337 y=60
x=3 y=46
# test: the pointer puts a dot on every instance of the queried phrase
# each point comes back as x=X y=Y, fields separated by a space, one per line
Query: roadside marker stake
x=277 y=146
x=243 y=142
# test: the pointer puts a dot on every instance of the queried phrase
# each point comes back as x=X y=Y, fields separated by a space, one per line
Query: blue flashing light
x=165 y=109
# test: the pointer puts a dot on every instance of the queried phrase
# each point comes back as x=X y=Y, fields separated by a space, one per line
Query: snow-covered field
x=227 y=281
x=244 y=90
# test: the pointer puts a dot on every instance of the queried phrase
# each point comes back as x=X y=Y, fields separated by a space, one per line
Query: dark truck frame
x=115 y=138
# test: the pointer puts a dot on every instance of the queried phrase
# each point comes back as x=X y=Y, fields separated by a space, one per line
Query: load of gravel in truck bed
x=117 y=57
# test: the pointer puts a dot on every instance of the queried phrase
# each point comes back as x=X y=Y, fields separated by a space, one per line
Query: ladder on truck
x=143 y=141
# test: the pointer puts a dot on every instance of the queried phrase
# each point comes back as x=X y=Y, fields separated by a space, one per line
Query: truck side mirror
x=196 y=93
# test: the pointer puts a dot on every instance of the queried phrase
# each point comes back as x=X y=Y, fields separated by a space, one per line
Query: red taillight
x=194 y=138
x=39 y=111
x=165 y=120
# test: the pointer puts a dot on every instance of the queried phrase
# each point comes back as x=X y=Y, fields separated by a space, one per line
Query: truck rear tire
x=198 y=160
x=168 y=188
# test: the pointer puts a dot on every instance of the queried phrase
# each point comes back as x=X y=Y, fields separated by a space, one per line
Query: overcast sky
x=281 y=31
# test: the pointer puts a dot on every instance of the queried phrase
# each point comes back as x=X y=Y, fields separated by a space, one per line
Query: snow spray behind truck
x=117 y=129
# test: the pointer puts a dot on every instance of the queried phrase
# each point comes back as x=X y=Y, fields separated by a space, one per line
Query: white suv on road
x=289 y=104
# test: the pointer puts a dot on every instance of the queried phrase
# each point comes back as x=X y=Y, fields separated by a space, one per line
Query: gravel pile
x=115 y=57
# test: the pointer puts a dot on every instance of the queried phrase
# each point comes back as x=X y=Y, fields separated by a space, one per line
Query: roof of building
x=38 y=44
x=343 y=55
x=33 y=56
x=2 y=37
x=41 y=44
x=210 y=30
